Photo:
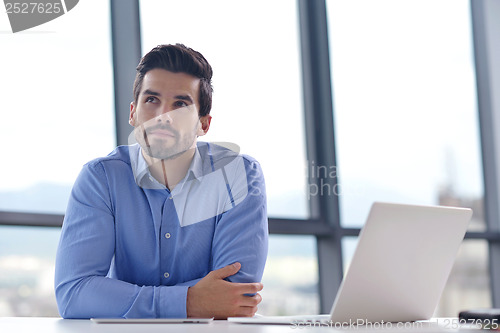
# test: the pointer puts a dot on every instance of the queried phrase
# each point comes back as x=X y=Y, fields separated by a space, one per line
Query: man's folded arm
x=84 y=256
x=241 y=234
x=239 y=250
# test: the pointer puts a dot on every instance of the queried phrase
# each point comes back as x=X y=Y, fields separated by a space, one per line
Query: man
x=169 y=226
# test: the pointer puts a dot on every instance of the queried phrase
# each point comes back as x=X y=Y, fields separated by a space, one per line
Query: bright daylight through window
x=57 y=104
x=406 y=120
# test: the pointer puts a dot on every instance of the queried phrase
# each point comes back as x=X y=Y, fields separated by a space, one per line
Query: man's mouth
x=163 y=133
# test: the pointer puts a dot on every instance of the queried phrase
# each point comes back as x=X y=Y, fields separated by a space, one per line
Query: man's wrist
x=190 y=304
x=172 y=302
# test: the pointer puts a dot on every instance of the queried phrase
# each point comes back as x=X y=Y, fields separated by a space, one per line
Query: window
x=27 y=272
x=57 y=114
x=290 y=277
x=468 y=286
x=406 y=119
x=57 y=106
x=405 y=104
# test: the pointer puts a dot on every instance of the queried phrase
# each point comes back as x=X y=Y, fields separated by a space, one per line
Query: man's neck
x=170 y=172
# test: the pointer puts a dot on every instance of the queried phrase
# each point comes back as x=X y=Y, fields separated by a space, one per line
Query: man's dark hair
x=178 y=59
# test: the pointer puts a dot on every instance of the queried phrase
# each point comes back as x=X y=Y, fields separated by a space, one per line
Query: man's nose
x=166 y=116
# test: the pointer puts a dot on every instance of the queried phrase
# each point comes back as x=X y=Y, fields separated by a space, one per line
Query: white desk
x=58 y=325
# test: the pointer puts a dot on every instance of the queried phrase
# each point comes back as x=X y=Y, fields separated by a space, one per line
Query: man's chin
x=164 y=155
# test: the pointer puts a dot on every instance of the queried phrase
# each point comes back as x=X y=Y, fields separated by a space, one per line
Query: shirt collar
x=143 y=177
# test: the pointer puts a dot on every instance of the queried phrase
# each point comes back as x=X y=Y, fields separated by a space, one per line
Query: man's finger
x=246 y=311
x=226 y=271
x=248 y=288
x=250 y=300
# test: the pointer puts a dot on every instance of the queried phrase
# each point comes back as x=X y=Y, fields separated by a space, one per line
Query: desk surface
x=58 y=325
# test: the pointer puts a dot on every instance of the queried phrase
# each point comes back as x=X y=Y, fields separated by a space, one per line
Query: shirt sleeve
x=241 y=234
x=85 y=252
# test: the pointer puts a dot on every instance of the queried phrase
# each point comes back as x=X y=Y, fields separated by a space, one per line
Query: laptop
x=399 y=269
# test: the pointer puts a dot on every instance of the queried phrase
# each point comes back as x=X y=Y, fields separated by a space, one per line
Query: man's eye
x=150 y=99
x=180 y=104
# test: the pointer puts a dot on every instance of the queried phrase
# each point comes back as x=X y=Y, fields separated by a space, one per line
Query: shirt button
x=167 y=235
x=166 y=275
x=170 y=197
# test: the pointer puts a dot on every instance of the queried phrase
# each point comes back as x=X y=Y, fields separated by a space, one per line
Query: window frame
x=324 y=221
x=486 y=55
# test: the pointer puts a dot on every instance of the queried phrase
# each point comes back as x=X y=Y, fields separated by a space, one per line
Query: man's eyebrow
x=185 y=98
x=151 y=92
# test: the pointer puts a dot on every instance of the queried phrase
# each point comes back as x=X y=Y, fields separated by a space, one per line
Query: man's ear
x=131 y=119
x=205 y=124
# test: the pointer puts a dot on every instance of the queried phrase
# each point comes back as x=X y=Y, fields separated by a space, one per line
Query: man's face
x=165 y=115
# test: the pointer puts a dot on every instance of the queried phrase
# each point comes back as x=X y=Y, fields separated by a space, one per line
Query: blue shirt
x=130 y=247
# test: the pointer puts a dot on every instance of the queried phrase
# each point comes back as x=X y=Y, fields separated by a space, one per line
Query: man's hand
x=215 y=297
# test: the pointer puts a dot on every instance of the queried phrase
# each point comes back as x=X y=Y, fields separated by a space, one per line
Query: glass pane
x=27 y=257
x=57 y=110
x=57 y=106
x=254 y=51
x=291 y=277
x=468 y=286
x=348 y=247
x=405 y=105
